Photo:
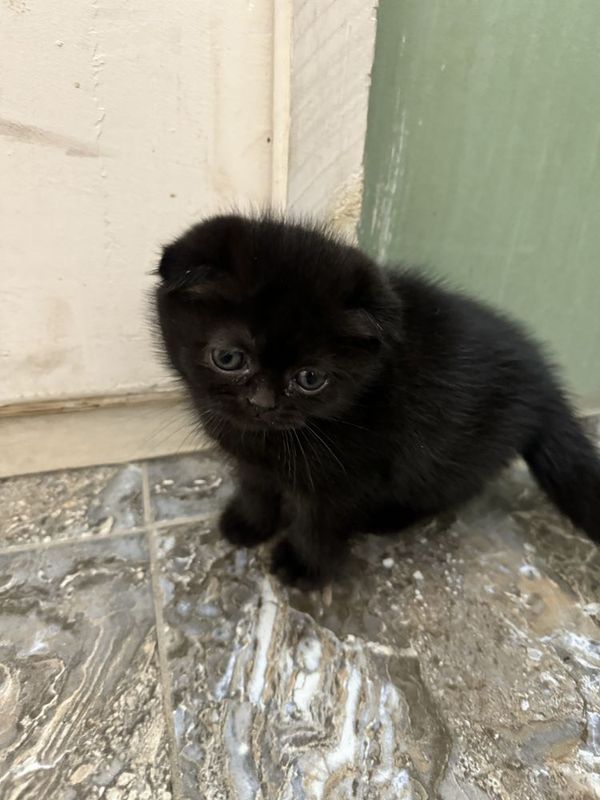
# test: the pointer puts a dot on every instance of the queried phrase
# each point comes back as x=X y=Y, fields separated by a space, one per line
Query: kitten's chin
x=263 y=424
x=266 y=427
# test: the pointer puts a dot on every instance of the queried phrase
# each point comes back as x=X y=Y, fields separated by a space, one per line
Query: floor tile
x=459 y=660
x=70 y=503
x=187 y=486
x=81 y=712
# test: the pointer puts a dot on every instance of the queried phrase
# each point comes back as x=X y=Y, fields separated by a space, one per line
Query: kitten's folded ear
x=370 y=306
x=181 y=271
x=363 y=329
x=197 y=260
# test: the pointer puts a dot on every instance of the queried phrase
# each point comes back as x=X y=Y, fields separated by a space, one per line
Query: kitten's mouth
x=267 y=421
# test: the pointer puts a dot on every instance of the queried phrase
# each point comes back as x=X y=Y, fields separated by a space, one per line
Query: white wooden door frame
x=320 y=112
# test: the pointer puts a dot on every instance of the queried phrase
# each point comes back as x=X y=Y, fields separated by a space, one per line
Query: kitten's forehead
x=288 y=336
x=293 y=303
x=280 y=330
x=292 y=257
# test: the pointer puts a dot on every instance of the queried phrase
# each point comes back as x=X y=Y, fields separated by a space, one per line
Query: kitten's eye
x=228 y=360
x=311 y=380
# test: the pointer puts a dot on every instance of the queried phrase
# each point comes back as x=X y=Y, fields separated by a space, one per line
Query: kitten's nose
x=263 y=399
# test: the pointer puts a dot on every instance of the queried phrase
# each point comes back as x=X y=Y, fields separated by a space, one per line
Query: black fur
x=429 y=393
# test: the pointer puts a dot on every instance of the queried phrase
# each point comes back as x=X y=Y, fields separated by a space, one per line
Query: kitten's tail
x=567 y=466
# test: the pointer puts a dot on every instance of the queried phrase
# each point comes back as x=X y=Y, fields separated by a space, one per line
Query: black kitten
x=353 y=398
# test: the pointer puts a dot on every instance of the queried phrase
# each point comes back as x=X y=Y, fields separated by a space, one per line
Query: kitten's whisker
x=283 y=452
x=308 y=472
x=186 y=439
x=292 y=461
x=352 y=425
x=161 y=435
x=325 y=445
x=313 y=450
x=166 y=430
x=168 y=418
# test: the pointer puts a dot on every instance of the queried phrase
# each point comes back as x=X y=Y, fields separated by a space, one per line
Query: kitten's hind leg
x=566 y=465
x=253 y=514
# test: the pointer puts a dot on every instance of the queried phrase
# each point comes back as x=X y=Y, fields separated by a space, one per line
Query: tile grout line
x=157 y=600
x=163 y=524
x=92 y=537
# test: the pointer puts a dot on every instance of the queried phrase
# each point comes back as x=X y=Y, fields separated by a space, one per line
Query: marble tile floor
x=141 y=658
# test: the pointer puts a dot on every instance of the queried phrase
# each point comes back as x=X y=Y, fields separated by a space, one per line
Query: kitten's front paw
x=239 y=530
x=292 y=571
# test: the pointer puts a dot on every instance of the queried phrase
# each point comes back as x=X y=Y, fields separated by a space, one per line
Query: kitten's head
x=271 y=323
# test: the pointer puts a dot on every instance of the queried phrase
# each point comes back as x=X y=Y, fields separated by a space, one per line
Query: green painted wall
x=482 y=158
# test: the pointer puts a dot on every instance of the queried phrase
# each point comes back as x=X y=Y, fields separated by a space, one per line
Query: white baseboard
x=105 y=433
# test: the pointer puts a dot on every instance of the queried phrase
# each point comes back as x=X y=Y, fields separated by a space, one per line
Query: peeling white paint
x=383 y=215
